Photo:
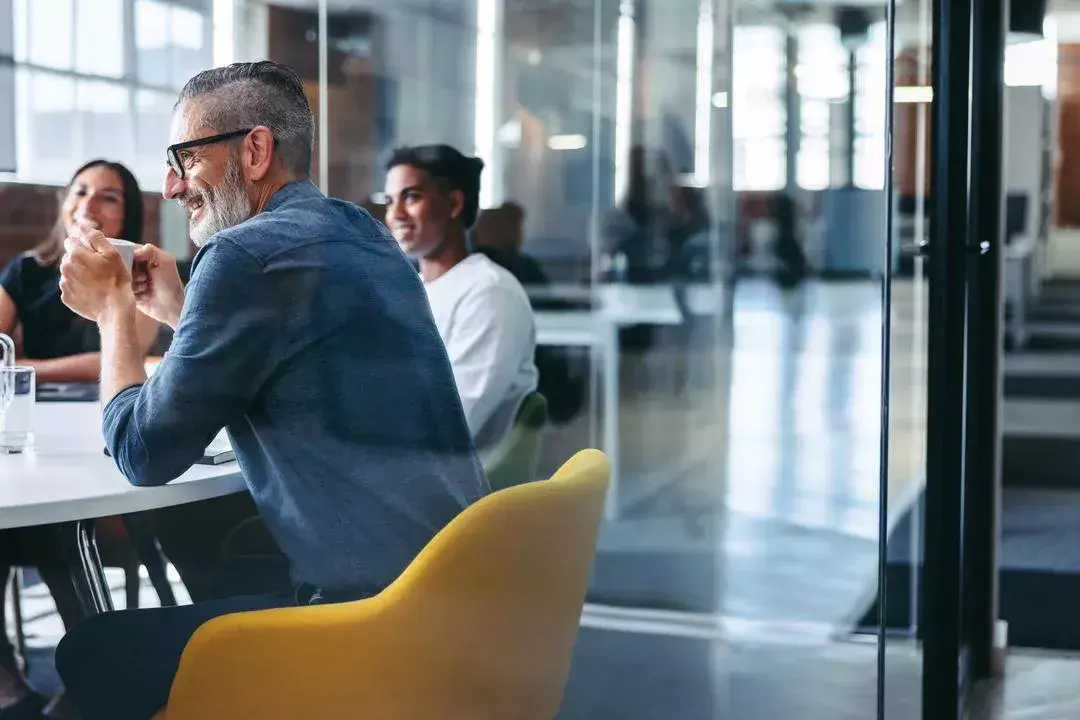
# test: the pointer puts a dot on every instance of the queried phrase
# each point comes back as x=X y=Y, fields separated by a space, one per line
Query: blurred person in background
x=500 y=234
x=791 y=260
x=639 y=231
x=635 y=231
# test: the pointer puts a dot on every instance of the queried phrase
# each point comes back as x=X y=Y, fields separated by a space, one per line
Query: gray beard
x=226 y=205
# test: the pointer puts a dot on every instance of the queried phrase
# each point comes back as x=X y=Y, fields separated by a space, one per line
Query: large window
x=99 y=37
x=171 y=42
x=824 y=89
x=822 y=76
x=870 y=94
x=97 y=78
x=758 y=116
x=822 y=79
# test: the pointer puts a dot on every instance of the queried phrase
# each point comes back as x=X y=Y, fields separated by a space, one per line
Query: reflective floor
x=757 y=541
x=731 y=591
x=652 y=673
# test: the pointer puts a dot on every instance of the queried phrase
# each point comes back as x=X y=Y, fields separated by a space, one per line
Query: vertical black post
x=982 y=482
x=941 y=691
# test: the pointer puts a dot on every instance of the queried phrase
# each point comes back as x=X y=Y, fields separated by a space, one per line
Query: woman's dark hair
x=50 y=250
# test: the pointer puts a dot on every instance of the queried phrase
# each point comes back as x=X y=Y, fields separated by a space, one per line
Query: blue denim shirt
x=307 y=334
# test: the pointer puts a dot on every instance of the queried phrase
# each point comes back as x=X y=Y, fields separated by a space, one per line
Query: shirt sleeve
x=224 y=349
x=11 y=279
x=492 y=333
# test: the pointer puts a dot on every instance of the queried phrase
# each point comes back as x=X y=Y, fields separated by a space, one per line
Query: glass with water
x=17 y=398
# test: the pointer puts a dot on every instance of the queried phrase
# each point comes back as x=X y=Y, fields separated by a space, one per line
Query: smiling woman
x=61 y=346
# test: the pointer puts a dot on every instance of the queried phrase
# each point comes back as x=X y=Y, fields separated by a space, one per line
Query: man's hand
x=159 y=293
x=94 y=280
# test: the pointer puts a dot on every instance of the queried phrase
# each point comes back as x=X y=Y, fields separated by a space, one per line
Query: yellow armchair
x=482 y=624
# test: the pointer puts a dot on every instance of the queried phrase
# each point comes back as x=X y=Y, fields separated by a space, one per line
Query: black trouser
x=200 y=539
x=121 y=665
x=39 y=547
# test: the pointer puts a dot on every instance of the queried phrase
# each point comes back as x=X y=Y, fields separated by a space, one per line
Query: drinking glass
x=17 y=399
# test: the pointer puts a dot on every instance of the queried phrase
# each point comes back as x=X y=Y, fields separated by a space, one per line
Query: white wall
x=1063 y=253
x=1063 y=248
x=1023 y=142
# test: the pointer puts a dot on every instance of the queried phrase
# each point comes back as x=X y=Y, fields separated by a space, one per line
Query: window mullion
x=131 y=56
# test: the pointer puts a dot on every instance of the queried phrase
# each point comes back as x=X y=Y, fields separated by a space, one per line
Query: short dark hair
x=243 y=95
x=446 y=165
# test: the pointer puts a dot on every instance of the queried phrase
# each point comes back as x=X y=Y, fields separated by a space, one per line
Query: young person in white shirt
x=482 y=312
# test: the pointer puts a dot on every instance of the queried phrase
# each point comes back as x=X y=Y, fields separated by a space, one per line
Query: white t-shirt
x=486 y=323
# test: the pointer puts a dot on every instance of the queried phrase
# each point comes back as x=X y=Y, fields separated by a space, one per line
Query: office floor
x=746 y=542
x=633 y=669
x=789 y=552
x=638 y=676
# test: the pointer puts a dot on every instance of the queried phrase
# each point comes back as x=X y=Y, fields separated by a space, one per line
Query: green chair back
x=517 y=458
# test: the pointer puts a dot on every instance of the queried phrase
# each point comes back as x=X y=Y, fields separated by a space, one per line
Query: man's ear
x=457 y=204
x=258 y=153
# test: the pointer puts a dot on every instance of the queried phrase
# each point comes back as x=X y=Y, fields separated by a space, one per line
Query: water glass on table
x=17 y=399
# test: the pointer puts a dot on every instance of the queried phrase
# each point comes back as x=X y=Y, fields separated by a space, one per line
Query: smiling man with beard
x=305 y=331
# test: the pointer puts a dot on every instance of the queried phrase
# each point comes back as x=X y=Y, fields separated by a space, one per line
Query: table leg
x=141 y=532
x=84 y=565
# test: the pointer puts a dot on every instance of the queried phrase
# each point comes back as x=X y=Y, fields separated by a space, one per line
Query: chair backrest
x=481 y=624
x=488 y=613
x=517 y=458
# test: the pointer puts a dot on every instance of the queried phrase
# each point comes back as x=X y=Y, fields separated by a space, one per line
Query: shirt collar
x=296 y=190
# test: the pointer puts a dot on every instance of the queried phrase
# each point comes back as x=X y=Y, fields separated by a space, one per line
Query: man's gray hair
x=243 y=95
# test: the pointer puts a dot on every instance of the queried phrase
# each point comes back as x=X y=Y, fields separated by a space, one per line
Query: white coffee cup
x=126 y=250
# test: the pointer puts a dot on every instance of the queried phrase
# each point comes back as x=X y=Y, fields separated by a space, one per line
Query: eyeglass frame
x=172 y=153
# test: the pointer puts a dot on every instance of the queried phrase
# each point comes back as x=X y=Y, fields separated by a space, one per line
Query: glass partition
x=909 y=294
x=695 y=196
x=708 y=312
x=604 y=127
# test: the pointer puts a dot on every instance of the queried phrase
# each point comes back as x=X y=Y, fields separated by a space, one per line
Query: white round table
x=68 y=480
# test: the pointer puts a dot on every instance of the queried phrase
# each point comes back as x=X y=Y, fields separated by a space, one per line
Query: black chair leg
x=146 y=547
x=17 y=618
x=132 y=583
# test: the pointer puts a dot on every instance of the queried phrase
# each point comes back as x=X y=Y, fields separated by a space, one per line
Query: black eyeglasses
x=175 y=155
